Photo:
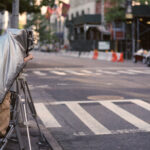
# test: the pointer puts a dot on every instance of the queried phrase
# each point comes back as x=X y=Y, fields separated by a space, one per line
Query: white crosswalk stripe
x=76 y=73
x=39 y=73
x=127 y=116
x=136 y=71
x=89 y=121
x=46 y=117
x=87 y=71
x=107 y=72
x=58 y=73
x=91 y=72
x=126 y=72
x=142 y=104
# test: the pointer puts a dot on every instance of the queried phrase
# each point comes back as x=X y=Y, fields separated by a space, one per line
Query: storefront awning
x=102 y=29
x=141 y=11
x=85 y=19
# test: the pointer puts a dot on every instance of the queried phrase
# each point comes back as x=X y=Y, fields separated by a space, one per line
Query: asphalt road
x=90 y=104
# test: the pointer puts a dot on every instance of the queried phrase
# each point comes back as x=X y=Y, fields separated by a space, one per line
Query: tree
x=25 y=5
x=42 y=24
x=50 y=3
x=42 y=27
x=37 y=20
x=117 y=12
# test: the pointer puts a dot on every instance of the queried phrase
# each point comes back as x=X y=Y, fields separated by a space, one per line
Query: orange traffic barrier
x=121 y=59
x=114 y=57
x=95 y=55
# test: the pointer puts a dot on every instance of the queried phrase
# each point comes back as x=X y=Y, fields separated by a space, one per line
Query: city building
x=57 y=22
x=137 y=28
x=4 y=21
x=86 y=24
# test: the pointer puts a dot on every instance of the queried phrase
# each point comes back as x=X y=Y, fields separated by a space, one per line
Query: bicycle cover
x=13 y=48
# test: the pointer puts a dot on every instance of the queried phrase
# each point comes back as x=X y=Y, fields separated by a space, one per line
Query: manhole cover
x=105 y=97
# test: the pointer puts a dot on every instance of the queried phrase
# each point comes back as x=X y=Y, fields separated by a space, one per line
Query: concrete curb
x=50 y=138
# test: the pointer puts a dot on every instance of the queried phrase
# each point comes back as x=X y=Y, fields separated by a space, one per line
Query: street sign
x=103 y=45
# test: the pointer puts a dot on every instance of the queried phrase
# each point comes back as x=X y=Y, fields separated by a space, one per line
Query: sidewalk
x=49 y=61
x=51 y=143
x=34 y=139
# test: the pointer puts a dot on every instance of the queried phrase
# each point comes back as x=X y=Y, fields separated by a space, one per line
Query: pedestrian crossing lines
x=90 y=72
x=40 y=73
x=97 y=117
x=58 y=73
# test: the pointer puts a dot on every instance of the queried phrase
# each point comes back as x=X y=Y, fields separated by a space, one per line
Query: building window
x=82 y=12
x=118 y=25
x=72 y=16
x=88 y=11
x=77 y=14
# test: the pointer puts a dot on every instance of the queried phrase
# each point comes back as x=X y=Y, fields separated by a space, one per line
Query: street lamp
x=129 y=17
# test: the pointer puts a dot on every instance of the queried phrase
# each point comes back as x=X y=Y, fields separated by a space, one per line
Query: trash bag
x=14 y=46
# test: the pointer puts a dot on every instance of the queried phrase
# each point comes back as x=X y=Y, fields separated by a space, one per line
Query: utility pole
x=102 y=12
x=102 y=17
x=15 y=14
x=129 y=16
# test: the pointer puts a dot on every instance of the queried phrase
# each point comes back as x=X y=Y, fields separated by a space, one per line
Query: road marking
x=135 y=71
x=141 y=72
x=58 y=73
x=109 y=83
x=89 y=101
x=39 y=86
x=42 y=86
x=86 y=71
x=107 y=72
x=47 y=118
x=87 y=119
x=39 y=73
x=25 y=74
x=98 y=73
x=75 y=73
x=146 y=72
x=142 y=125
x=142 y=104
x=89 y=68
x=126 y=72
x=91 y=122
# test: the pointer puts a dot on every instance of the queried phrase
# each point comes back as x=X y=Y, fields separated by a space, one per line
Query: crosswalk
x=97 y=117
x=89 y=72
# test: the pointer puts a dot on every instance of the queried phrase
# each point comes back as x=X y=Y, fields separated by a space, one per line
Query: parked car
x=140 y=55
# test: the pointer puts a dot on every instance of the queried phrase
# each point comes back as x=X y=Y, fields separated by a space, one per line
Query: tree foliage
x=50 y=3
x=42 y=27
x=117 y=13
x=25 y=5
x=37 y=20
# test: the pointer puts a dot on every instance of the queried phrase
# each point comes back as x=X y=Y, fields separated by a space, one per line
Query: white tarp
x=13 y=49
